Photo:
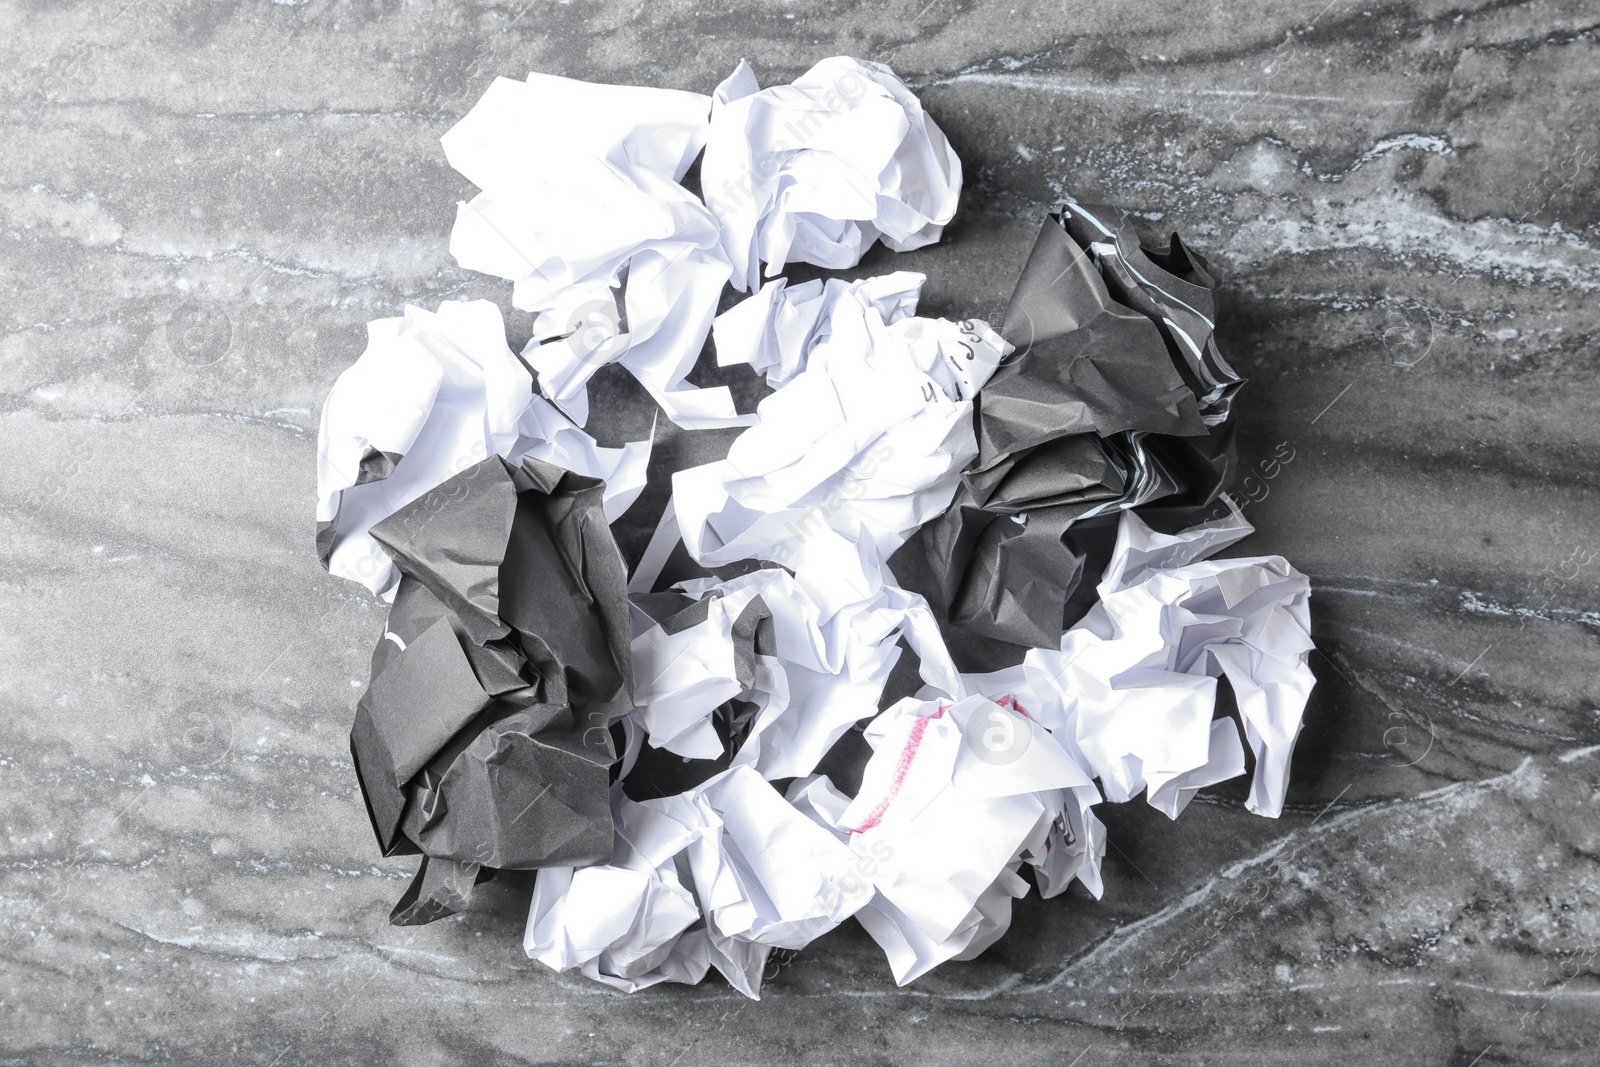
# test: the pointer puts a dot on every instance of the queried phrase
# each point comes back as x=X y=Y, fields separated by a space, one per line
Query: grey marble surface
x=203 y=202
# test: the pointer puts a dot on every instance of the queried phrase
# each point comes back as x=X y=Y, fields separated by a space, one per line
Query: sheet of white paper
x=910 y=949
x=680 y=678
x=868 y=440
x=825 y=671
x=955 y=798
x=715 y=877
x=817 y=170
x=1134 y=684
x=433 y=394
x=580 y=197
x=775 y=329
x=621 y=923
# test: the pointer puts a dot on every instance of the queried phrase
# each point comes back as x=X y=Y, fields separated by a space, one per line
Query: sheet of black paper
x=483 y=741
x=1116 y=398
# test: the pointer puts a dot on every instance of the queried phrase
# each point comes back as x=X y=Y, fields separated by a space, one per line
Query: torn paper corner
x=817 y=170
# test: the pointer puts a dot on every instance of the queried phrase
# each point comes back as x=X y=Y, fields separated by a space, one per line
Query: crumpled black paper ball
x=1115 y=398
x=483 y=741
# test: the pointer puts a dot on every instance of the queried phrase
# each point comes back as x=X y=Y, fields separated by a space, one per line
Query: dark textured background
x=203 y=203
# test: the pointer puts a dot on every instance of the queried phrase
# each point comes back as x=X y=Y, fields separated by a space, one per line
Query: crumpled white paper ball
x=817 y=170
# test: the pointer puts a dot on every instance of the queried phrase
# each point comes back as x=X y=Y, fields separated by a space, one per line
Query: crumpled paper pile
x=674 y=762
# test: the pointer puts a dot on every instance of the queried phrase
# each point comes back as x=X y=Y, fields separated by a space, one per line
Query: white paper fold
x=817 y=170
x=622 y=923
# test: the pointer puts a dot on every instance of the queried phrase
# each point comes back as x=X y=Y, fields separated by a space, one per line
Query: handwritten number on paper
x=971 y=331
